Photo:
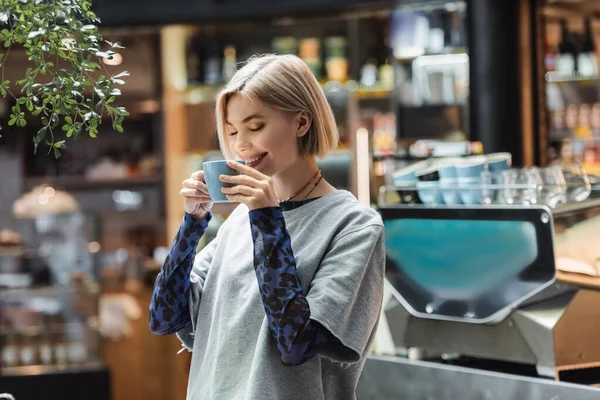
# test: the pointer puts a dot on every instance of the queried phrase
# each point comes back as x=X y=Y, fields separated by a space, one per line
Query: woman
x=284 y=302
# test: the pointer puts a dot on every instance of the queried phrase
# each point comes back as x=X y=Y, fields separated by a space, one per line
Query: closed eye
x=232 y=133
x=257 y=129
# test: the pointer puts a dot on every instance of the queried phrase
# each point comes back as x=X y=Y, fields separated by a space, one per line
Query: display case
x=49 y=295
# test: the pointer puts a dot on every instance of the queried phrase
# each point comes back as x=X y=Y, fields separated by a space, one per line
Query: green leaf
x=35 y=34
x=41 y=134
x=66 y=31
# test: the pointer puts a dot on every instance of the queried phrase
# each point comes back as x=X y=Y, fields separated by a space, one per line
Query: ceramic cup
x=408 y=174
x=471 y=167
x=447 y=167
x=429 y=193
x=498 y=161
x=212 y=171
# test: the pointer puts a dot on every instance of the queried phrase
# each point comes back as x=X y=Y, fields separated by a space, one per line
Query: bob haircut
x=283 y=82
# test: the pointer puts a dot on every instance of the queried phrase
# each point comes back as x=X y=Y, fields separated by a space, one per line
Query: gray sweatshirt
x=339 y=250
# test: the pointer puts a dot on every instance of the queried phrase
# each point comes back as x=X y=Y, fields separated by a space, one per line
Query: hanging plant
x=67 y=86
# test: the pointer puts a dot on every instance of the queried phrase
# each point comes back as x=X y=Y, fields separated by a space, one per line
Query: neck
x=293 y=178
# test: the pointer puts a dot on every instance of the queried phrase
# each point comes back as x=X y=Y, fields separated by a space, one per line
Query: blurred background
x=82 y=237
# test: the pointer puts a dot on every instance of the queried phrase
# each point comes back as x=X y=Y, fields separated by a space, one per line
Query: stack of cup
x=405 y=179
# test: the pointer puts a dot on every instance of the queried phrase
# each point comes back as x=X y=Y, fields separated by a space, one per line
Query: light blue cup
x=449 y=180
x=499 y=161
x=469 y=175
x=450 y=193
x=470 y=191
x=408 y=174
x=430 y=193
x=471 y=167
x=447 y=167
x=212 y=171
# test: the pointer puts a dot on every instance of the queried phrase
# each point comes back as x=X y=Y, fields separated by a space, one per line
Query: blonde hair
x=286 y=83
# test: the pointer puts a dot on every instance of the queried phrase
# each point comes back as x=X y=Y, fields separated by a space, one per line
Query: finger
x=198 y=175
x=240 y=189
x=193 y=184
x=240 y=180
x=246 y=170
x=185 y=192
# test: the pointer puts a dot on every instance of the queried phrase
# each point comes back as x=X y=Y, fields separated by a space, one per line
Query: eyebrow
x=248 y=118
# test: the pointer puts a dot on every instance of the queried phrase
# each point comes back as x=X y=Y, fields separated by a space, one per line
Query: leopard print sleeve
x=169 y=306
x=298 y=337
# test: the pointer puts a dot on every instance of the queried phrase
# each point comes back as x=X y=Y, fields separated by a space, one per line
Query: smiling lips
x=255 y=160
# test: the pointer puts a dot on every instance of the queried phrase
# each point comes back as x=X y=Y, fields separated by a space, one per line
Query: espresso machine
x=480 y=305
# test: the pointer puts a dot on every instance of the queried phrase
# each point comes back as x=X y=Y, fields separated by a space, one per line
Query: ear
x=303 y=123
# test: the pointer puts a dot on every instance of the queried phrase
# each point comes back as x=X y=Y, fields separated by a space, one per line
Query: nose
x=241 y=144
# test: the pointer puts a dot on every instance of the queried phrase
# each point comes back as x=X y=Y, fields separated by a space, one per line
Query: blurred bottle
x=595 y=121
x=28 y=352
x=76 y=348
x=587 y=62
x=59 y=341
x=386 y=76
x=46 y=355
x=583 y=129
x=567 y=49
x=194 y=67
x=549 y=55
x=336 y=62
x=229 y=63
x=368 y=73
x=285 y=45
x=10 y=348
x=212 y=62
x=310 y=53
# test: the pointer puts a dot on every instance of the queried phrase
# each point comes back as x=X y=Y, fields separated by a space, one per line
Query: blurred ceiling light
x=117 y=59
x=43 y=199
x=49 y=191
x=94 y=247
